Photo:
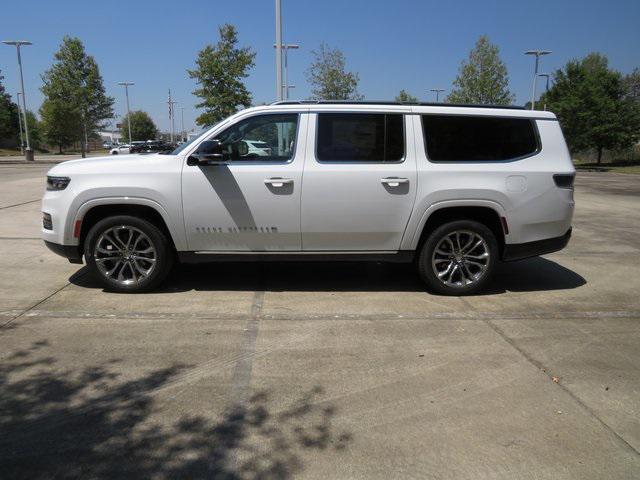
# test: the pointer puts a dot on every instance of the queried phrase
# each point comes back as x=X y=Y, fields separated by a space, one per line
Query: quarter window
x=451 y=138
x=269 y=138
x=360 y=137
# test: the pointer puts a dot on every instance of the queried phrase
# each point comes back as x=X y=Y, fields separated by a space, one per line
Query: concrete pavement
x=321 y=370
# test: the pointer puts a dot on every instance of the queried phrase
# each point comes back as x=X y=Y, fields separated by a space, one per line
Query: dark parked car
x=152 y=146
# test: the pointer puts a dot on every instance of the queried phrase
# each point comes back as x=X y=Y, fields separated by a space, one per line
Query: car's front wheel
x=128 y=254
x=458 y=258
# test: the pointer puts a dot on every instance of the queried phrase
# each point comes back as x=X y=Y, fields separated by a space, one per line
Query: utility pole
x=278 y=50
x=437 y=92
x=18 y=43
x=171 y=104
x=20 y=124
x=538 y=54
x=182 y=132
x=126 y=89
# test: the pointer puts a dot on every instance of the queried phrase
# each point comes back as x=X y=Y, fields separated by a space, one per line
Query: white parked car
x=120 y=149
x=455 y=189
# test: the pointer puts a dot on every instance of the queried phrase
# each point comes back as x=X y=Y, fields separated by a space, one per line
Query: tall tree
x=142 y=126
x=8 y=117
x=482 y=78
x=632 y=85
x=328 y=78
x=35 y=130
x=61 y=123
x=219 y=72
x=406 y=97
x=594 y=106
x=75 y=79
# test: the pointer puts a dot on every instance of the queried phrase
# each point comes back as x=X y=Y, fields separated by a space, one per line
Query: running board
x=404 y=256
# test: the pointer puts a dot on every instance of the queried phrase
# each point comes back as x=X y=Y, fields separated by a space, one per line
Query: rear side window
x=462 y=138
x=360 y=137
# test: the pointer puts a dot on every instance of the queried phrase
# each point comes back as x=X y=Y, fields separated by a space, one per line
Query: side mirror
x=210 y=152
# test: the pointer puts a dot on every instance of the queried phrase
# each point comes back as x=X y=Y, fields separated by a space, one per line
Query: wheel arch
x=92 y=212
x=489 y=213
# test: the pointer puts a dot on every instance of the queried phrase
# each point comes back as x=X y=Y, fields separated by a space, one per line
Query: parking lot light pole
x=546 y=89
x=126 y=90
x=20 y=124
x=538 y=54
x=437 y=92
x=278 y=50
x=18 y=44
x=285 y=85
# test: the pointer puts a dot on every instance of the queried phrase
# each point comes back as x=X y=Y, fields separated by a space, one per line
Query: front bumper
x=70 y=252
x=520 y=251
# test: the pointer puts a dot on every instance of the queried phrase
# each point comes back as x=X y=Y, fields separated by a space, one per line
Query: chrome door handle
x=277 y=182
x=394 y=182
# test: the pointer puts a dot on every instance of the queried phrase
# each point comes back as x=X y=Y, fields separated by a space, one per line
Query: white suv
x=454 y=189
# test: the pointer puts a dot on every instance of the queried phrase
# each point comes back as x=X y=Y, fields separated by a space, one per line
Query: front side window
x=451 y=138
x=269 y=138
x=360 y=137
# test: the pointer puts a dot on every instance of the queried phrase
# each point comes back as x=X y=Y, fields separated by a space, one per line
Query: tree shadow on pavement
x=90 y=423
x=531 y=275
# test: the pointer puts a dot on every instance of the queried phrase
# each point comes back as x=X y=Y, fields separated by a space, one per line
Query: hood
x=108 y=164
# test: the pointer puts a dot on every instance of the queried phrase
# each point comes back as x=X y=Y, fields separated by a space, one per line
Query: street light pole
x=126 y=90
x=285 y=85
x=538 y=54
x=278 y=50
x=437 y=92
x=18 y=43
x=20 y=124
x=546 y=89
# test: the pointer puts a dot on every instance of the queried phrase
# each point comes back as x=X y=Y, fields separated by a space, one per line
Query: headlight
x=57 y=183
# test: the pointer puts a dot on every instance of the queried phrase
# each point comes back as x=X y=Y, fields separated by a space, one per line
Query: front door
x=359 y=182
x=252 y=201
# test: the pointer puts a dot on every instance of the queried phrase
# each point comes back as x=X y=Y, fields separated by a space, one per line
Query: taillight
x=563 y=180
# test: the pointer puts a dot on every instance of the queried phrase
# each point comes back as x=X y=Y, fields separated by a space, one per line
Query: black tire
x=428 y=271
x=114 y=153
x=163 y=261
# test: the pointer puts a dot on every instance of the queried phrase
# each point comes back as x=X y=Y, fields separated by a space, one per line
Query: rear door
x=359 y=181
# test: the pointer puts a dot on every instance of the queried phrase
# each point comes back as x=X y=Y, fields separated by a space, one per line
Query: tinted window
x=360 y=137
x=269 y=138
x=461 y=138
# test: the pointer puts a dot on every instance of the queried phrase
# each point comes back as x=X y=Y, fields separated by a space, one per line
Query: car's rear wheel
x=458 y=258
x=128 y=254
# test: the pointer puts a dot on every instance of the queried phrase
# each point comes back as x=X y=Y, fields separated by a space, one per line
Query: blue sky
x=392 y=44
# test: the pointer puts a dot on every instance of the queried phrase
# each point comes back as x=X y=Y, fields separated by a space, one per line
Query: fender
x=177 y=235
x=411 y=239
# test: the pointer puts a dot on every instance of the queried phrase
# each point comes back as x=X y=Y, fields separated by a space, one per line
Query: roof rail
x=387 y=102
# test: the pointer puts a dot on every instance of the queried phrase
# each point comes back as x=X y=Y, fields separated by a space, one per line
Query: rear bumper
x=520 y=251
x=70 y=252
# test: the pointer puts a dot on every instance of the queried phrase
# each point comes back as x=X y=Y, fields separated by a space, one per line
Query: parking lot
x=324 y=370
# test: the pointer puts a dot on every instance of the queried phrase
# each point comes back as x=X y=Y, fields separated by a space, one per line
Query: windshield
x=181 y=147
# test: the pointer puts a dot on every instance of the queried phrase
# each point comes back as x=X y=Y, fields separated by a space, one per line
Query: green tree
x=328 y=78
x=35 y=130
x=9 y=128
x=142 y=126
x=60 y=123
x=406 y=97
x=632 y=85
x=482 y=78
x=219 y=72
x=75 y=79
x=593 y=105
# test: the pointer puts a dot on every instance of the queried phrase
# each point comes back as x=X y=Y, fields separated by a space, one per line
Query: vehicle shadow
x=94 y=422
x=531 y=275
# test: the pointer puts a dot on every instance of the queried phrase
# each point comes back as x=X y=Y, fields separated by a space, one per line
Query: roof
x=386 y=102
